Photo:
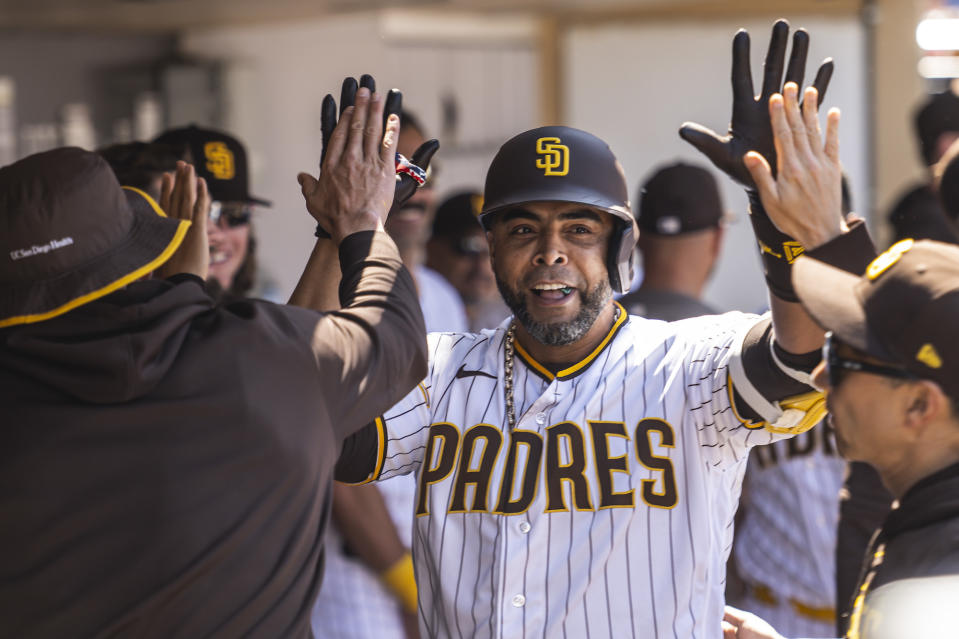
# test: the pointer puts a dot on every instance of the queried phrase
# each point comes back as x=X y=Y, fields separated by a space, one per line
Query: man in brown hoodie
x=166 y=462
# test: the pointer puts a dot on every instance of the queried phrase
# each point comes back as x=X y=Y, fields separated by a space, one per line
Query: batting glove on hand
x=750 y=128
x=410 y=174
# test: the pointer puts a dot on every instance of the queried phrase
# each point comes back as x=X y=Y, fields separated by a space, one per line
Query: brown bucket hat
x=904 y=309
x=69 y=234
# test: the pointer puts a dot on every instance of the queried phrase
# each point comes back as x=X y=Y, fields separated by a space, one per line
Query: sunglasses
x=836 y=364
x=233 y=214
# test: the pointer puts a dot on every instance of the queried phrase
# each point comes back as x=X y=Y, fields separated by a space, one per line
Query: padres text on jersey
x=606 y=512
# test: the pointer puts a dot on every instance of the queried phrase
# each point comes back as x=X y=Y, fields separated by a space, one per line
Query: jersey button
x=524 y=527
x=519 y=601
x=541 y=418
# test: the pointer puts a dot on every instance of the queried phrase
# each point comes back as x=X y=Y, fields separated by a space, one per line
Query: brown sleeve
x=372 y=351
x=358 y=455
x=776 y=373
x=851 y=251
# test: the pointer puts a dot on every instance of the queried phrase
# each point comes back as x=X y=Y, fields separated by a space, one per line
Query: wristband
x=403 y=167
x=777 y=250
x=401 y=581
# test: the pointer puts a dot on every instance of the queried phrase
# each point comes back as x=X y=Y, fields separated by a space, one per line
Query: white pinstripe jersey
x=606 y=512
x=787 y=537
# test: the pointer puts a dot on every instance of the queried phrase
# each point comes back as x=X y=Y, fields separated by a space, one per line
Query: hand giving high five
x=804 y=200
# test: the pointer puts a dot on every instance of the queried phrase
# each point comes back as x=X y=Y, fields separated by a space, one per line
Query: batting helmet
x=562 y=164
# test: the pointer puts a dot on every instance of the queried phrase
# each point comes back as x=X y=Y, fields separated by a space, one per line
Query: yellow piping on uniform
x=109 y=288
x=620 y=320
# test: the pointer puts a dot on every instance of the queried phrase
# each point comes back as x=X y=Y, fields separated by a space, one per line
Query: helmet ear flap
x=620 y=258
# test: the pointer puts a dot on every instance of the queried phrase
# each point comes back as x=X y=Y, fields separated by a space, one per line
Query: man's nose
x=550 y=250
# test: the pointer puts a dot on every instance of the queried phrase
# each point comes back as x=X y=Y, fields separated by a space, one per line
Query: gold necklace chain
x=508 y=376
x=508 y=347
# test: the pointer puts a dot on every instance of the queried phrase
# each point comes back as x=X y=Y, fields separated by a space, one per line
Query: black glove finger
x=347 y=94
x=705 y=140
x=718 y=149
x=822 y=78
x=424 y=154
x=742 y=76
x=775 y=56
x=797 y=58
x=394 y=104
x=405 y=188
x=327 y=123
x=366 y=80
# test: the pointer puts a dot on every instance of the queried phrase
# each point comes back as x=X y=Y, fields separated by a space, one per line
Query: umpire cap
x=562 y=164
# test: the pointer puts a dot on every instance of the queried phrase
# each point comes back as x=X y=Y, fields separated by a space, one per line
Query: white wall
x=634 y=85
x=277 y=76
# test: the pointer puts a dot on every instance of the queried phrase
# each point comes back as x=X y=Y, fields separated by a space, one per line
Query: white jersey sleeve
x=711 y=348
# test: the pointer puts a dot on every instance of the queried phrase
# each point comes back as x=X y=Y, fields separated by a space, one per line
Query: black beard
x=558 y=333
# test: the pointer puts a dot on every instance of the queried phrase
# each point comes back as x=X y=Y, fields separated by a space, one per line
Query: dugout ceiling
x=174 y=15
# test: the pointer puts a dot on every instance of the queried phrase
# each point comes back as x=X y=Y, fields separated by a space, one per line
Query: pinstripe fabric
x=787 y=537
x=638 y=551
x=353 y=603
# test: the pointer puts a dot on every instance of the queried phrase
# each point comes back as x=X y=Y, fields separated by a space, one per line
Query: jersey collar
x=581 y=365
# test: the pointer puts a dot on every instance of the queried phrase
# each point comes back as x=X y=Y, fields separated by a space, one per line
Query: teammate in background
x=458 y=251
x=918 y=213
x=410 y=228
x=141 y=164
x=946 y=183
x=578 y=468
x=680 y=236
x=369 y=589
x=222 y=161
x=143 y=494
x=232 y=242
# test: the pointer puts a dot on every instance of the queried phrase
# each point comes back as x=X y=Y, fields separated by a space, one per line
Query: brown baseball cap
x=219 y=158
x=679 y=198
x=902 y=310
x=70 y=234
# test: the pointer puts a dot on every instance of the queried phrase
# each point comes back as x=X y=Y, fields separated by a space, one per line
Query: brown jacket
x=165 y=463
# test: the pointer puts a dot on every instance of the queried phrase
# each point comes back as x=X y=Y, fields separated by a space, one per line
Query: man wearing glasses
x=890 y=371
x=221 y=160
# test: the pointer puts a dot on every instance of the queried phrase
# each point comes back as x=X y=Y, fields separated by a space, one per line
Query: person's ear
x=925 y=403
x=492 y=246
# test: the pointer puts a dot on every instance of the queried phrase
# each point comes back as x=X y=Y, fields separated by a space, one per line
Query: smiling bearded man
x=578 y=468
x=600 y=493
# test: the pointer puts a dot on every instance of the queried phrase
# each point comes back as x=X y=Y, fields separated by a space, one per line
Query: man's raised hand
x=184 y=196
x=750 y=129
x=804 y=200
x=357 y=180
x=404 y=181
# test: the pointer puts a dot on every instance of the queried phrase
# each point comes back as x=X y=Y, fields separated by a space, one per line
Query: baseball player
x=786 y=542
x=578 y=468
